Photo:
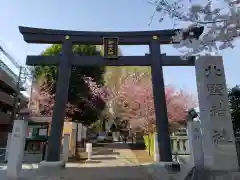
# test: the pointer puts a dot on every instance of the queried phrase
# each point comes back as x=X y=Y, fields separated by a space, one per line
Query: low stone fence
x=180 y=149
x=180 y=145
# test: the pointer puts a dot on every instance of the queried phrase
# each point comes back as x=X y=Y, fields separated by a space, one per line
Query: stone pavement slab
x=111 y=155
x=91 y=173
x=138 y=172
x=113 y=161
x=149 y=172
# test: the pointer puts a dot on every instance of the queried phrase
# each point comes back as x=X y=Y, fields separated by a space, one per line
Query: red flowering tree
x=135 y=99
x=44 y=101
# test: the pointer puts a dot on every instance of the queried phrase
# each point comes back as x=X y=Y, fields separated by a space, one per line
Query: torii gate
x=111 y=40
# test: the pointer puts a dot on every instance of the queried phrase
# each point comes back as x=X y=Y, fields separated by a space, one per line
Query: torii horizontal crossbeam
x=50 y=36
x=101 y=61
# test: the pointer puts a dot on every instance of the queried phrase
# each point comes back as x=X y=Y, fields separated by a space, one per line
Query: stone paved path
x=115 y=154
x=114 y=161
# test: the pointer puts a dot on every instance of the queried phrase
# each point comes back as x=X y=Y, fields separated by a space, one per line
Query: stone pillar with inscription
x=195 y=143
x=16 y=149
x=73 y=138
x=79 y=132
x=66 y=139
x=218 y=138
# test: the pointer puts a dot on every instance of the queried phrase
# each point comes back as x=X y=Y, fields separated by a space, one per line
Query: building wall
x=7 y=89
x=8 y=80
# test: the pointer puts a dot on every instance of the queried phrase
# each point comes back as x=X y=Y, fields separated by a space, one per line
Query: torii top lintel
x=51 y=36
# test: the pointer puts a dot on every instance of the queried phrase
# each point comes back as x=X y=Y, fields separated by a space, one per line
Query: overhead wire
x=16 y=63
x=13 y=61
x=25 y=73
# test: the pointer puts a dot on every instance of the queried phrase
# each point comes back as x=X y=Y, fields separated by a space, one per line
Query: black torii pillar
x=160 y=101
x=61 y=98
x=155 y=59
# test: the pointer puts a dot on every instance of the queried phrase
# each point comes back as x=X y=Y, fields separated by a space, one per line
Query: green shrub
x=149 y=143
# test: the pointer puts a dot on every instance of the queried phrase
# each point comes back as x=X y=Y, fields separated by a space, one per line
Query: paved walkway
x=113 y=161
x=111 y=155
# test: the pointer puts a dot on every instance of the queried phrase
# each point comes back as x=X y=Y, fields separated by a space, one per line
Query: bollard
x=89 y=150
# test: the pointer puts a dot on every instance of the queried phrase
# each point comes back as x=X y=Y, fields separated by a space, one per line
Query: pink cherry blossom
x=135 y=99
x=44 y=101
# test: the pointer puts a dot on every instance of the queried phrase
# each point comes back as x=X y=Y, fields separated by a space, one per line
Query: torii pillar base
x=52 y=165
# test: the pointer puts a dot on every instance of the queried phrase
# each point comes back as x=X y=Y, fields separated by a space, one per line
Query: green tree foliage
x=80 y=95
x=234 y=102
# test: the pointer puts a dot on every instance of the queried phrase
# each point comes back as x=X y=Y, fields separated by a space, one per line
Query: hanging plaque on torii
x=110 y=45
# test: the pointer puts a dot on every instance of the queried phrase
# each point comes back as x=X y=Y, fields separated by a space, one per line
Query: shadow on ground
x=103 y=158
x=92 y=161
x=91 y=173
x=99 y=144
x=134 y=146
x=142 y=155
x=99 y=173
x=118 y=146
x=105 y=152
x=77 y=159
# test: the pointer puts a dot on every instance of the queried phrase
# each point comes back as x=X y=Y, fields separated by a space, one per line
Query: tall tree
x=85 y=101
x=234 y=102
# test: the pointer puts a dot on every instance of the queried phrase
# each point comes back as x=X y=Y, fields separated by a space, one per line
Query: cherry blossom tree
x=97 y=90
x=220 y=19
x=135 y=98
x=42 y=102
x=45 y=101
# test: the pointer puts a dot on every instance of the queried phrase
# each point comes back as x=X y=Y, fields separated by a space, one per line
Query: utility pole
x=31 y=92
x=16 y=98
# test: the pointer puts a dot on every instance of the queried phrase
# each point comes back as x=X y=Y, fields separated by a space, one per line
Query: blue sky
x=97 y=15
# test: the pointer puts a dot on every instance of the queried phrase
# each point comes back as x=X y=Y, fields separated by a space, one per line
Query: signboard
x=42 y=132
x=110 y=47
